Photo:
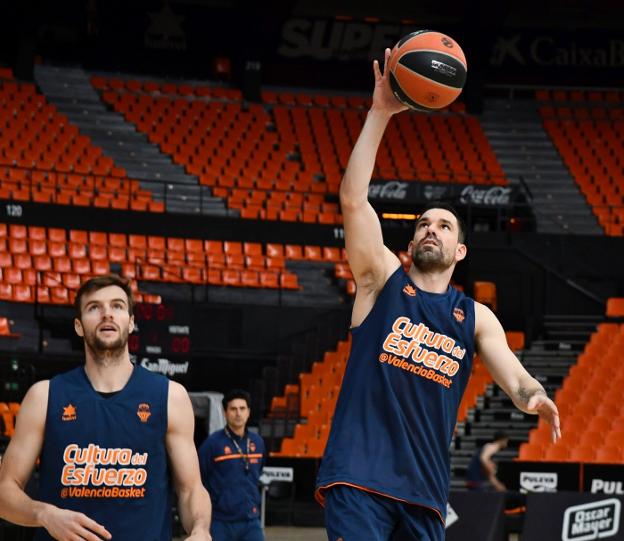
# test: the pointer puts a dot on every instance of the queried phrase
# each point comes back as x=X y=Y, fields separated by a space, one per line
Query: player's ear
x=78 y=327
x=461 y=252
x=131 y=325
x=410 y=247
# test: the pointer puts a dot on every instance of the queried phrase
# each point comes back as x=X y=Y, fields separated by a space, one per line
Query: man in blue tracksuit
x=231 y=462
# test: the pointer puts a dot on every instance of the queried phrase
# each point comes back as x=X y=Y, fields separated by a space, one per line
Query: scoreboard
x=161 y=340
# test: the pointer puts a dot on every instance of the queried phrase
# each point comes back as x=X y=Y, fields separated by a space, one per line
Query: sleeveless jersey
x=409 y=364
x=475 y=475
x=106 y=457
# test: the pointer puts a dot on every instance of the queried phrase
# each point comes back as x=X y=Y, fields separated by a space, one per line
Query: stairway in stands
x=548 y=359
x=524 y=149
x=71 y=92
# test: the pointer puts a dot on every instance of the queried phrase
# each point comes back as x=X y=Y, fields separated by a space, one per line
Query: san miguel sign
x=398 y=191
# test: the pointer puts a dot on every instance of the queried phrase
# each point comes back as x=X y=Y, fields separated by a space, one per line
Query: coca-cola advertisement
x=474 y=195
x=486 y=195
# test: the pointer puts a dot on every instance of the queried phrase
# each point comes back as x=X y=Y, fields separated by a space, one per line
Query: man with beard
x=110 y=435
x=385 y=471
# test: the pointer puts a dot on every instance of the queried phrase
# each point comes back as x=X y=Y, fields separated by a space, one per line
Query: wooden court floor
x=286 y=533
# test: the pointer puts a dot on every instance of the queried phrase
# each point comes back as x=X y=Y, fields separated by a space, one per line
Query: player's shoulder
x=38 y=392
x=36 y=399
x=179 y=403
x=177 y=391
x=485 y=320
x=483 y=313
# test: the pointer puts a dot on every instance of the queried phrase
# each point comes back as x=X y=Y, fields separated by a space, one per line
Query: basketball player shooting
x=110 y=435
x=385 y=472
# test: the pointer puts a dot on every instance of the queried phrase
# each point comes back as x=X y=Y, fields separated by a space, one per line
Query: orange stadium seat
x=615 y=307
x=609 y=455
x=485 y=293
x=531 y=452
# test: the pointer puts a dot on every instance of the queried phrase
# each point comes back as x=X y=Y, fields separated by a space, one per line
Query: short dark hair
x=461 y=224
x=500 y=435
x=100 y=282
x=233 y=395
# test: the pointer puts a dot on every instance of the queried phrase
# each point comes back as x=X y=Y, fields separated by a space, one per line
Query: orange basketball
x=427 y=70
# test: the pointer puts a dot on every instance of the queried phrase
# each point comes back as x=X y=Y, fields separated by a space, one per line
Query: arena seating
x=47 y=160
x=277 y=161
x=588 y=130
x=284 y=160
x=53 y=261
x=589 y=403
x=317 y=394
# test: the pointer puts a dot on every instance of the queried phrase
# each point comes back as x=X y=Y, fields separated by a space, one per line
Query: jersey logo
x=227 y=450
x=144 y=412
x=252 y=447
x=69 y=413
x=459 y=315
x=409 y=290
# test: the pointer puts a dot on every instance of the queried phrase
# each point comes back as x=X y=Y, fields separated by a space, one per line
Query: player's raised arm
x=371 y=262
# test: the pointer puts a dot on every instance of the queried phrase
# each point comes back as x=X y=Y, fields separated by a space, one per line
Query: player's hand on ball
x=383 y=98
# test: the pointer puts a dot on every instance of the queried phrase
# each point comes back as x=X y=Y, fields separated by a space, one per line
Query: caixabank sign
x=568 y=516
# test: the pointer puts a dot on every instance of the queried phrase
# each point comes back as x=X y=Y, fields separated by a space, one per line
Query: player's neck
x=240 y=432
x=431 y=282
x=108 y=376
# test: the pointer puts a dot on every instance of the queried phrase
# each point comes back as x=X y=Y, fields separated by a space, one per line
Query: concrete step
x=517 y=125
x=553 y=168
x=550 y=178
x=528 y=137
x=529 y=158
x=559 y=188
x=536 y=151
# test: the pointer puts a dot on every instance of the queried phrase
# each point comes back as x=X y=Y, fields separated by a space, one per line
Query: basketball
x=427 y=70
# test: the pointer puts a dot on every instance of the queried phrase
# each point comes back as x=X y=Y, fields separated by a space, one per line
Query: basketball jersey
x=475 y=476
x=106 y=457
x=409 y=364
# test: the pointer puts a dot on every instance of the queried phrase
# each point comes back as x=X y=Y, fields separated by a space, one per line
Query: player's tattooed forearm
x=525 y=394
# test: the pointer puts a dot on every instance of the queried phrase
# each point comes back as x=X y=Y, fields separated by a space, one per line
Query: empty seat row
x=578 y=95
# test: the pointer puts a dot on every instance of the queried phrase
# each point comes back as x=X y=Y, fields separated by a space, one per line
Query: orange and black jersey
x=409 y=365
x=106 y=457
